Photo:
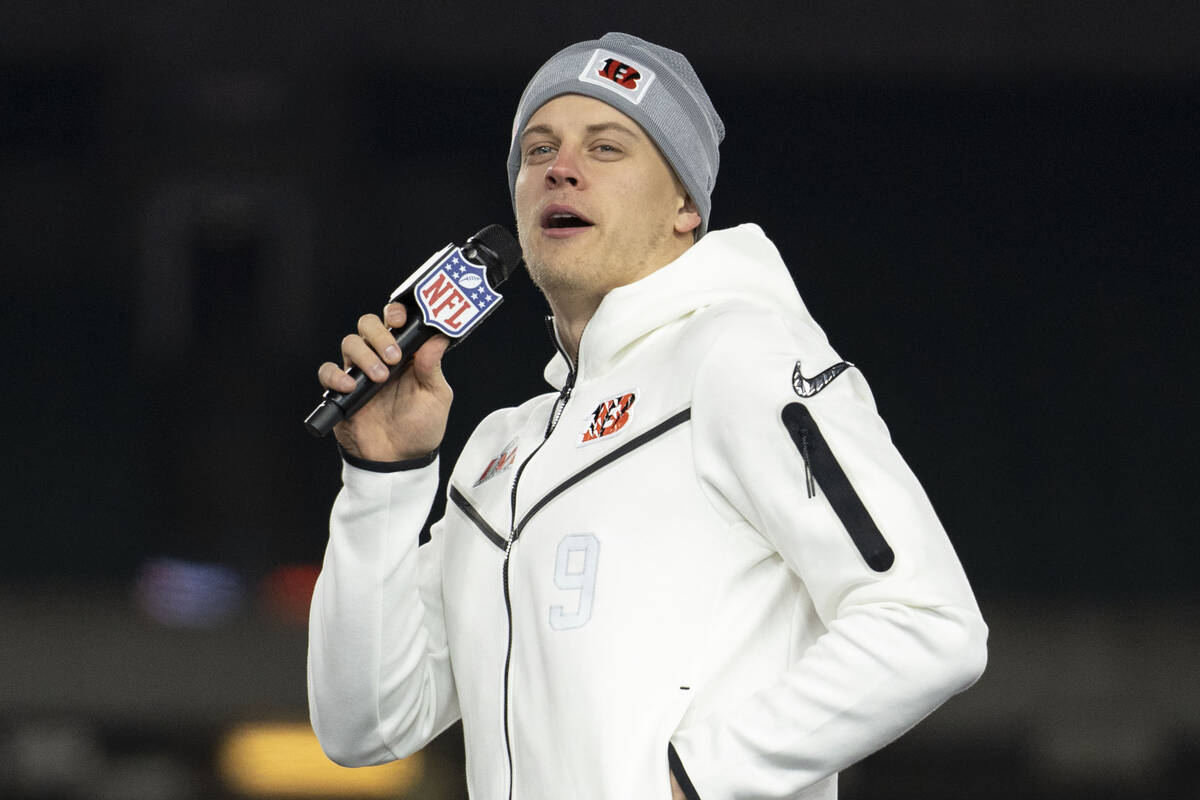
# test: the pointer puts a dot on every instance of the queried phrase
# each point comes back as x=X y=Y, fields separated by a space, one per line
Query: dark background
x=990 y=207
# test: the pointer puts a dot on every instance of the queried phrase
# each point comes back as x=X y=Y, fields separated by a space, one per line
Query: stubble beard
x=591 y=272
x=559 y=275
x=564 y=276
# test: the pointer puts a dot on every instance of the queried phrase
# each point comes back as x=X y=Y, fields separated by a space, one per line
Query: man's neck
x=573 y=310
x=570 y=318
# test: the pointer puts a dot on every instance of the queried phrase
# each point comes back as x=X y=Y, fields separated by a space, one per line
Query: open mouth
x=563 y=217
x=566 y=221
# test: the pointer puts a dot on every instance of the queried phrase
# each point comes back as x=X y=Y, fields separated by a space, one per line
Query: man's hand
x=407 y=418
x=676 y=792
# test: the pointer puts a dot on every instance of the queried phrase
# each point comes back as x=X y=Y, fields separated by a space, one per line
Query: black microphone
x=451 y=293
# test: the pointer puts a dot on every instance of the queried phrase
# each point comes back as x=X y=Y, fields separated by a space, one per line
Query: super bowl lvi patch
x=506 y=459
x=608 y=418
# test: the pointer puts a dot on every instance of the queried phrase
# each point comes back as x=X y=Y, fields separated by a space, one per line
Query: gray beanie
x=656 y=87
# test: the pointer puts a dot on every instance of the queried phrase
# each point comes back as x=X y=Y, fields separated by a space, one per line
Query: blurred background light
x=279 y=759
x=287 y=590
x=188 y=594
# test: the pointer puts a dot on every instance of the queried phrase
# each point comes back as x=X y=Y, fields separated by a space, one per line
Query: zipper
x=563 y=396
x=809 y=481
x=560 y=404
x=821 y=466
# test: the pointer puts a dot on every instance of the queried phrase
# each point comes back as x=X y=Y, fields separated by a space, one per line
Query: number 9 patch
x=575 y=570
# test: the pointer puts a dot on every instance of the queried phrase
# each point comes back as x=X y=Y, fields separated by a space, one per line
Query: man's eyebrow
x=602 y=127
x=540 y=129
x=591 y=130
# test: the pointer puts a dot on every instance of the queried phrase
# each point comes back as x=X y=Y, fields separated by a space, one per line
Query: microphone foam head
x=504 y=248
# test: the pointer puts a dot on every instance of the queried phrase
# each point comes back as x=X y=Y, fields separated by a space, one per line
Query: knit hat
x=654 y=86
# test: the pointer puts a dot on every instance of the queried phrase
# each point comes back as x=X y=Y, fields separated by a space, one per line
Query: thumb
x=427 y=361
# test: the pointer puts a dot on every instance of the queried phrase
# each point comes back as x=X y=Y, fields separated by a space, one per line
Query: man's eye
x=539 y=150
x=607 y=148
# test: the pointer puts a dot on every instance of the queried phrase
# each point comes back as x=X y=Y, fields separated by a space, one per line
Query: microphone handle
x=337 y=406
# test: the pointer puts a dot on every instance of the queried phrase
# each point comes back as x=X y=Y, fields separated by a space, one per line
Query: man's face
x=597 y=205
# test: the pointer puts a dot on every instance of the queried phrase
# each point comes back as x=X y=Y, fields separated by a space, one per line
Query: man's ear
x=687 y=217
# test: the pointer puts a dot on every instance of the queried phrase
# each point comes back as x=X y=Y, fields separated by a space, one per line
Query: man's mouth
x=564 y=217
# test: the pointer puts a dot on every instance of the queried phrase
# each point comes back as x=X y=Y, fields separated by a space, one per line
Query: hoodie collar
x=736 y=263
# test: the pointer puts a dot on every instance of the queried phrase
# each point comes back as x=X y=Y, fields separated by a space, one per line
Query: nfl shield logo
x=455 y=295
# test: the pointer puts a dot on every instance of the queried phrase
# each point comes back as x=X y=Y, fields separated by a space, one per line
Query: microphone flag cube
x=455 y=296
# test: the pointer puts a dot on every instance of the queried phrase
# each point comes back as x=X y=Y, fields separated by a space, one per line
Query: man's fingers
x=373 y=348
x=356 y=352
x=377 y=335
x=395 y=315
x=427 y=361
x=334 y=377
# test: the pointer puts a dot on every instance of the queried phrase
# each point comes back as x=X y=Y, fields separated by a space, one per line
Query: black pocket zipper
x=821 y=468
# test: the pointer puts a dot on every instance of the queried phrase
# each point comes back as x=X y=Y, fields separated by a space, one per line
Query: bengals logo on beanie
x=619 y=74
x=659 y=91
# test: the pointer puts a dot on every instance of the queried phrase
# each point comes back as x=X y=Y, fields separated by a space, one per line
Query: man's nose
x=564 y=171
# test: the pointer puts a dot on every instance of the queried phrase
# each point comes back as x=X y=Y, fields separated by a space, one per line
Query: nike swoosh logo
x=807 y=387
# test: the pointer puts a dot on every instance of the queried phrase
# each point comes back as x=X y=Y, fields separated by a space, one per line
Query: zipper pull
x=560 y=404
x=809 y=482
x=565 y=394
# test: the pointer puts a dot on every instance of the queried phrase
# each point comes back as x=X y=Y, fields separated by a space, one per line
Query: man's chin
x=555 y=273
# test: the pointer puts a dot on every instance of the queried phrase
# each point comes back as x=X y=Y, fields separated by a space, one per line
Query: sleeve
x=380 y=686
x=810 y=466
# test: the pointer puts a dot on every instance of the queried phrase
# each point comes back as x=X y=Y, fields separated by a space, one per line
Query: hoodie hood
x=734 y=264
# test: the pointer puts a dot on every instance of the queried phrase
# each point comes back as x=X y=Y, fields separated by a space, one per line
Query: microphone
x=451 y=293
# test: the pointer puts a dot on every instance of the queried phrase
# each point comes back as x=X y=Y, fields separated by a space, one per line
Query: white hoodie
x=716 y=557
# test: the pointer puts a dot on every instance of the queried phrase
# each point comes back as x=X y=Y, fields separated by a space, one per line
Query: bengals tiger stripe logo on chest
x=609 y=417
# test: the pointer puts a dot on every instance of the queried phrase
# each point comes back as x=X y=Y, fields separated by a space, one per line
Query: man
x=699 y=569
